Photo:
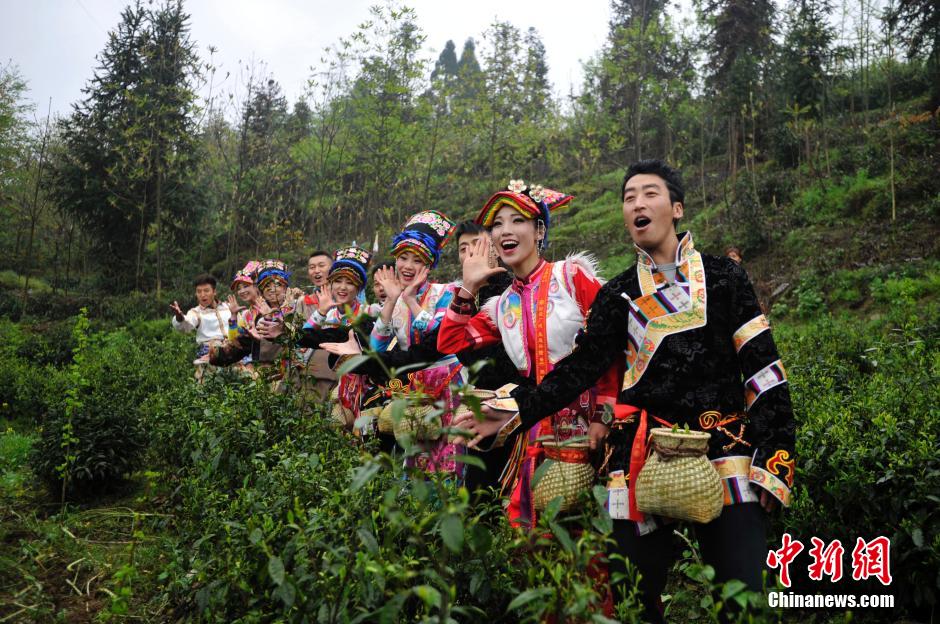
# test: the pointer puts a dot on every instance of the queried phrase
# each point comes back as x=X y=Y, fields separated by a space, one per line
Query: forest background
x=807 y=131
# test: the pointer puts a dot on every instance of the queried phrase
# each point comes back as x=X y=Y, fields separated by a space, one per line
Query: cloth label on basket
x=618 y=497
x=618 y=503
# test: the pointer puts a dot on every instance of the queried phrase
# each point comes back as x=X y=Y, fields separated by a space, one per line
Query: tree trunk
x=35 y=207
x=158 y=205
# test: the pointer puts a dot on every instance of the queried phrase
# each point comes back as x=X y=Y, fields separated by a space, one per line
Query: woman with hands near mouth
x=413 y=305
x=536 y=318
x=411 y=314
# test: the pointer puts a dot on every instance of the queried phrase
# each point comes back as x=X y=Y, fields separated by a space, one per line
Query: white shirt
x=209 y=323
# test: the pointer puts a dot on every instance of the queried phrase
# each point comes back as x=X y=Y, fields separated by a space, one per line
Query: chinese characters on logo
x=870 y=559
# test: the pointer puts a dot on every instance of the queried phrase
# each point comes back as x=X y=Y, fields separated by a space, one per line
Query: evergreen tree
x=130 y=149
x=918 y=22
x=644 y=75
x=739 y=44
x=805 y=54
x=470 y=84
x=536 y=90
x=446 y=63
x=262 y=163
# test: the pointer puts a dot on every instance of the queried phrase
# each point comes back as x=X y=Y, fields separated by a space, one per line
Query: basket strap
x=567 y=455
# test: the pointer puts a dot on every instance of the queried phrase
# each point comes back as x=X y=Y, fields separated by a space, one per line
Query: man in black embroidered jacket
x=698 y=352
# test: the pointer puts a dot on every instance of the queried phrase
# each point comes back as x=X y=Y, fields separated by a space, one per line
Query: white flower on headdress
x=516 y=186
x=537 y=193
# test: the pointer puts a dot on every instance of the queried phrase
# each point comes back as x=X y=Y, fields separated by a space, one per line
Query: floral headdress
x=532 y=203
x=246 y=275
x=425 y=234
x=351 y=262
x=272 y=270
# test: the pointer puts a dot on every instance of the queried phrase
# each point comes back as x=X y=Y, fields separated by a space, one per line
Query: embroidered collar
x=520 y=283
x=685 y=249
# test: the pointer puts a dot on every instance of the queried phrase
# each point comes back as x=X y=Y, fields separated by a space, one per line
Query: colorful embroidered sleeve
x=240 y=325
x=598 y=348
x=429 y=320
x=767 y=394
x=318 y=319
x=382 y=334
x=584 y=285
x=465 y=328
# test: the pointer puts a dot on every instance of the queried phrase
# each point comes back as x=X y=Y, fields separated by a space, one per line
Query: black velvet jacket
x=712 y=364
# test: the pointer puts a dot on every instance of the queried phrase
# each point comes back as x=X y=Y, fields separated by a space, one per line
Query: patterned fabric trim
x=772 y=484
x=663 y=311
x=765 y=379
x=735 y=482
x=749 y=330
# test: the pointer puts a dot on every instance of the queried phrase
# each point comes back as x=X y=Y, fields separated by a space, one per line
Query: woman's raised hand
x=350 y=347
x=476 y=266
x=389 y=280
x=325 y=300
x=411 y=290
x=263 y=307
x=233 y=305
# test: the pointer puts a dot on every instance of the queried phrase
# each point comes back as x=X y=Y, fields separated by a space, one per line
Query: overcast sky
x=54 y=42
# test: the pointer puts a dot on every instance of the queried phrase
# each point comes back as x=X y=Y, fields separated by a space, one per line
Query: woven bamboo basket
x=417 y=423
x=481 y=394
x=342 y=416
x=372 y=414
x=386 y=424
x=570 y=474
x=677 y=480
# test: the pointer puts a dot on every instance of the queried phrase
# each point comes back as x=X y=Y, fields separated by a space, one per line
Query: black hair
x=385 y=264
x=204 y=278
x=320 y=252
x=670 y=176
x=467 y=227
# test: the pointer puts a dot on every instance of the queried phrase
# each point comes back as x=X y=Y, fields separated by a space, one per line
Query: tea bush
x=867 y=465
x=93 y=435
x=29 y=381
x=289 y=520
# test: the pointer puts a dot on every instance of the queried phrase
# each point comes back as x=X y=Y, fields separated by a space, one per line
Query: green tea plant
x=93 y=436
x=288 y=518
x=867 y=464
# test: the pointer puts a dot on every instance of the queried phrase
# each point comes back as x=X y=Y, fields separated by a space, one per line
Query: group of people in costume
x=586 y=367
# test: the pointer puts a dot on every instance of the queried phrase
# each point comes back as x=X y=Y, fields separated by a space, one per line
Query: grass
x=77 y=564
x=11 y=280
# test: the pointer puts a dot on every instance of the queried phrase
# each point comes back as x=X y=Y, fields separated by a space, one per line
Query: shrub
x=289 y=520
x=94 y=436
x=809 y=300
x=29 y=383
x=867 y=461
